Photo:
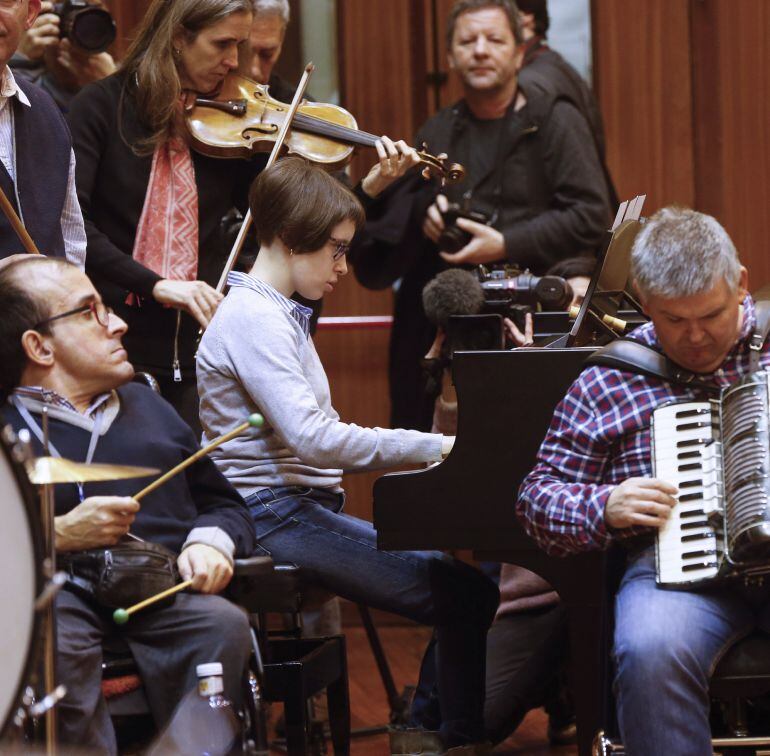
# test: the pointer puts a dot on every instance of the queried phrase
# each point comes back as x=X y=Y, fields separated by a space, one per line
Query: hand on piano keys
x=640 y=501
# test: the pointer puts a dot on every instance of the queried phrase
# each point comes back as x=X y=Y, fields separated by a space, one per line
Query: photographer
x=56 y=62
x=533 y=175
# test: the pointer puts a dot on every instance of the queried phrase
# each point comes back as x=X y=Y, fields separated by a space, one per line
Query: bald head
x=25 y=281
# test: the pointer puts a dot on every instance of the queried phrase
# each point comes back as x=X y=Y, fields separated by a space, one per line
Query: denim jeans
x=667 y=644
x=306 y=526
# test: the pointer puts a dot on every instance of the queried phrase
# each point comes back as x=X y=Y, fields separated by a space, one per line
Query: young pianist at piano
x=594 y=482
x=257 y=355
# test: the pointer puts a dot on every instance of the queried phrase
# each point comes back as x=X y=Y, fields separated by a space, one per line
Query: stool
x=295 y=668
x=741 y=674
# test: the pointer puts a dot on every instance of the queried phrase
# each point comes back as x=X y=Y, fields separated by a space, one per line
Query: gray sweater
x=255 y=357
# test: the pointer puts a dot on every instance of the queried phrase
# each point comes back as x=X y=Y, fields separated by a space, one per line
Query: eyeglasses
x=341 y=247
x=98 y=309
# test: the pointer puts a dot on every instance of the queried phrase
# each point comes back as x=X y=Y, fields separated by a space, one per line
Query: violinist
x=153 y=206
x=36 y=158
x=257 y=355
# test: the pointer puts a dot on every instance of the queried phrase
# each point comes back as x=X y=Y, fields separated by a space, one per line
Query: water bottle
x=204 y=723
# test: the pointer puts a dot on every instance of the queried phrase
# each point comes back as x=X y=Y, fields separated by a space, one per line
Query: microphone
x=452 y=292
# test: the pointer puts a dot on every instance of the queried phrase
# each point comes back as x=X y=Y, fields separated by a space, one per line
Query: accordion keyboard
x=686 y=453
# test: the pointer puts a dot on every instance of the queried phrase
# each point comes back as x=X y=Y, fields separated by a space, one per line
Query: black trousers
x=525 y=654
x=166 y=644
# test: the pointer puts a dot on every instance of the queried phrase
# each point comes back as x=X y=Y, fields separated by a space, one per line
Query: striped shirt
x=299 y=312
x=73 y=231
x=600 y=436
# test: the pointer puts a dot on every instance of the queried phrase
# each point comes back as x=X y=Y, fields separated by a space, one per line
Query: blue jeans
x=306 y=526
x=667 y=644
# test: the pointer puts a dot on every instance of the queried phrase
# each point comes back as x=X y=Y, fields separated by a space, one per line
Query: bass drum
x=21 y=580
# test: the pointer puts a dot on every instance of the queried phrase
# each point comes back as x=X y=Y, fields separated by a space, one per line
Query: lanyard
x=38 y=432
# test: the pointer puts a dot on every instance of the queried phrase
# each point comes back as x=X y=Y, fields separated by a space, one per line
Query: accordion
x=717 y=453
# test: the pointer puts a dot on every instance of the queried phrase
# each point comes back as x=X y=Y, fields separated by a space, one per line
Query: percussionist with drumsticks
x=593 y=483
x=60 y=349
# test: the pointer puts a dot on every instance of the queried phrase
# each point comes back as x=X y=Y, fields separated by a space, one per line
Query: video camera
x=88 y=26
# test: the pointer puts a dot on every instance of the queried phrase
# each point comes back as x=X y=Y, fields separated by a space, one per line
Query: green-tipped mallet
x=120 y=616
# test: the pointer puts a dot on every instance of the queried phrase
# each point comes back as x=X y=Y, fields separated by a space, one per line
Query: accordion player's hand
x=643 y=502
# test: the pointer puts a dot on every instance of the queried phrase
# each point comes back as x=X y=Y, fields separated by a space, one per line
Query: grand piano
x=505 y=404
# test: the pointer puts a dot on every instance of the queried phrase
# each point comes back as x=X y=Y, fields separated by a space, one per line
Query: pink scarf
x=167 y=234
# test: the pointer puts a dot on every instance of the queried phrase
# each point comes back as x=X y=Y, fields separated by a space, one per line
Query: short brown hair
x=300 y=204
x=465 y=6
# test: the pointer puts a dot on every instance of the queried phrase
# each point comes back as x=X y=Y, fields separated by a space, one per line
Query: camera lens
x=92 y=29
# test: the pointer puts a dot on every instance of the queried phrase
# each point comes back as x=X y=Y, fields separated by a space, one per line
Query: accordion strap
x=633 y=357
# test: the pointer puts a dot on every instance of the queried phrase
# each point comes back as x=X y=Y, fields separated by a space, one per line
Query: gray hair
x=681 y=252
x=272 y=8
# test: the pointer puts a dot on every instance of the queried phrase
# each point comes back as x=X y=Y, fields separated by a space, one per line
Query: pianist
x=592 y=481
x=257 y=356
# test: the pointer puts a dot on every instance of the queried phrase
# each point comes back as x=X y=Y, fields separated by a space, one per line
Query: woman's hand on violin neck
x=395 y=159
x=194 y=297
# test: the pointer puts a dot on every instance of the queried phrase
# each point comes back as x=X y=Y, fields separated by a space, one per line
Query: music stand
x=597 y=320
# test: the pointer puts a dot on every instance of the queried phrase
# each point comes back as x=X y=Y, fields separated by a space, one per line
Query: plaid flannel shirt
x=599 y=437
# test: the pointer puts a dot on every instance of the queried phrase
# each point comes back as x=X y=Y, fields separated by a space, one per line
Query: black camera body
x=88 y=26
x=453 y=238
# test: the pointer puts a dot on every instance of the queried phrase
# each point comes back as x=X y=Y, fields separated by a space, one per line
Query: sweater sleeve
x=220 y=507
x=270 y=358
x=93 y=121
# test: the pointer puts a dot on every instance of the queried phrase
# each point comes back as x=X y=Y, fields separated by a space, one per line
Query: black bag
x=121 y=575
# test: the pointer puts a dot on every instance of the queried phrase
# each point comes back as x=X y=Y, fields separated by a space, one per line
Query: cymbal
x=44 y=470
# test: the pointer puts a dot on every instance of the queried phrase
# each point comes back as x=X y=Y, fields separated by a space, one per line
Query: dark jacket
x=553 y=205
x=149 y=433
x=43 y=147
x=112 y=183
x=547 y=69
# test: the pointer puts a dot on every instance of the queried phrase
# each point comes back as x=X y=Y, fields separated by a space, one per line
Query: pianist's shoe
x=413 y=741
x=417 y=742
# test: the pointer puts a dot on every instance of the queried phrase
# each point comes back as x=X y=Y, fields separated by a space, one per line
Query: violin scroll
x=436 y=167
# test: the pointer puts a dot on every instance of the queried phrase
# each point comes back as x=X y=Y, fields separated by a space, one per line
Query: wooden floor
x=403 y=647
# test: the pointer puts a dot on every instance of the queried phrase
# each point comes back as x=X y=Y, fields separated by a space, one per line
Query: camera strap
x=497 y=170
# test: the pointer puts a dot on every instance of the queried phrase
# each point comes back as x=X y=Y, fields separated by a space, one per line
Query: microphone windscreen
x=452 y=292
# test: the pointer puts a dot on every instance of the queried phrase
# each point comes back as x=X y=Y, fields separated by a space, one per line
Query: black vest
x=42 y=145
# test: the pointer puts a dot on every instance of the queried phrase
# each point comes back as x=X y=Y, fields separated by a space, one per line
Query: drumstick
x=254 y=421
x=17 y=225
x=120 y=616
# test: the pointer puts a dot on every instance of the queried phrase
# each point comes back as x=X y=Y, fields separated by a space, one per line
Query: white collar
x=9 y=87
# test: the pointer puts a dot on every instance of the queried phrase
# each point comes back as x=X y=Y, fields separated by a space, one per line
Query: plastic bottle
x=204 y=723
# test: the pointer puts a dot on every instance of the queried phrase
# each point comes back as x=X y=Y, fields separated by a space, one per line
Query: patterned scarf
x=167 y=234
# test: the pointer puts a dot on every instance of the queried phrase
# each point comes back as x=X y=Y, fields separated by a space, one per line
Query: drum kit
x=29 y=583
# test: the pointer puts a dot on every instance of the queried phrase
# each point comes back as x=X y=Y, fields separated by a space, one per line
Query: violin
x=243 y=118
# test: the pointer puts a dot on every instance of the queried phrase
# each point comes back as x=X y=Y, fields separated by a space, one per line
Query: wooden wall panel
x=732 y=105
x=642 y=81
x=381 y=55
x=127 y=15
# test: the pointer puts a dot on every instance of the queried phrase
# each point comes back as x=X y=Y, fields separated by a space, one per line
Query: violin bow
x=246 y=225
x=17 y=225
